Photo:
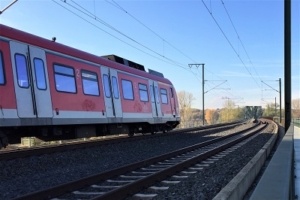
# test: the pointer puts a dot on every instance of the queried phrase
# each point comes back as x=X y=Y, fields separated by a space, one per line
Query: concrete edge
x=239 y=185
x=277 y=181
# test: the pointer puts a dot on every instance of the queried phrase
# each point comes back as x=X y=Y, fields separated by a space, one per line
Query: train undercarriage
x=11 y=135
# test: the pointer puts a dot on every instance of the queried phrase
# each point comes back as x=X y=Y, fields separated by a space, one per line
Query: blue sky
x=167 y=35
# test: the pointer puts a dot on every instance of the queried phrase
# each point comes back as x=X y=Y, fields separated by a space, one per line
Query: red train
x=50 y=89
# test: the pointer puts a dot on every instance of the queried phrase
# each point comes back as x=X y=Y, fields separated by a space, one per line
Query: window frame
x=126 y=80
x=26 y=68
x=2 y=68
x=115 y=87
x=66 y=75
x=106 y=85
x=164 y=93
x=152 y=93
x=96 y=80
x=37 y=77
x=156 y=89
x=143 y=90
x=172 y=92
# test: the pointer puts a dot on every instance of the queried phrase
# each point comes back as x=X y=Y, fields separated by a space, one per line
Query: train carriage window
x=152 y=94
x=40 y=77
x=21 y=67
x=90 y=83
x=106 y=85
x=127 y=90
x=172 y=94
x=143 y=92
x=164 y=96
x=156 y=94
x=64 y=79
x=115 y=87
x=2 y=77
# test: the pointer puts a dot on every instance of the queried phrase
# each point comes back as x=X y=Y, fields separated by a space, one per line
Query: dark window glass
x=40 y=77
x=115 y=87
x=64 y=70
x=21 y=67
x=152 y=94
x=127 y=89
x=64 y=79
x=2 y=77
x=172 y=95
x=143 y=92
x=164 y=96
x=156 y=94
x=106 y=85
x=90 y=83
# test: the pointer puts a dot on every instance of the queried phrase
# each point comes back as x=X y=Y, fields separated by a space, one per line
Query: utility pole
x=280 y=101
x=279 y=91
x=287 y=64
x=275 y=107
x=203 y=81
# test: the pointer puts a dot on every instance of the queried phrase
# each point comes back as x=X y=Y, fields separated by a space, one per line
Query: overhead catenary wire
x=114 y=3
x=91 y=15
x=161 y=57
x=229 y=42
x=82 y=10
x=106 y=31
x=239 y=38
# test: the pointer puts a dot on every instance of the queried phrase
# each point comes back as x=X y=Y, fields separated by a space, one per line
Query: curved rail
x=181 y=159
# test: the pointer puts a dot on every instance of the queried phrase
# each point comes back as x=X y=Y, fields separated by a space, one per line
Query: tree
x=211 y=116
x=185 y=103
x=230 y=113
x=270 y=110
x=296 y=108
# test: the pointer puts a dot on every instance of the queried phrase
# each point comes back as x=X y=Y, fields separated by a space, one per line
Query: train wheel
x=3 y=140
x=153 y=130
x=131 y=134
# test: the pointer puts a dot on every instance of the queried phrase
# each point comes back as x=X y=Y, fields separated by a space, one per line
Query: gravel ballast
x=22 y=176
x=208 y=182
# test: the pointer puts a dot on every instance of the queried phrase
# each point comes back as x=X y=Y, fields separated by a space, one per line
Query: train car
x=49 y=89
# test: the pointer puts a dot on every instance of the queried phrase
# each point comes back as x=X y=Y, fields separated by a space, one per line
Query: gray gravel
x=207 y=183
x=22 y=176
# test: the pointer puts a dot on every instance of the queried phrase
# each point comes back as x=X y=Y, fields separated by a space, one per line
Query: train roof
x=25 y=37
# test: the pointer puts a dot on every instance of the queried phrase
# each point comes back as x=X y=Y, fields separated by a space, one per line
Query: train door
x=155 y=100
x=173 y=102
x=111 y=93
x=31 y=81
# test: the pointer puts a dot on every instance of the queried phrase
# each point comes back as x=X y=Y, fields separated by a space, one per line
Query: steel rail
x=132 y=188
x=75 y=185
x=35 y=151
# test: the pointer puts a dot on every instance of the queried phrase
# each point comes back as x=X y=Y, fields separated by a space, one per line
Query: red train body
x=52 y=88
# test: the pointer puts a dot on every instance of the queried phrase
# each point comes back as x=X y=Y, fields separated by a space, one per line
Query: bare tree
x=296 y=108
x=185 y=103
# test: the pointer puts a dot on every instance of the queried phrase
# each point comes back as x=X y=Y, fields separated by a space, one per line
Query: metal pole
x=287 y=63
x=197 y=65
x=275 y=107
x=203 y=93
x=280 y=100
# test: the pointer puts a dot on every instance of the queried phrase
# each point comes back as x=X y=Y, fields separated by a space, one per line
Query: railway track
x=131 y=179
x=48 y=149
